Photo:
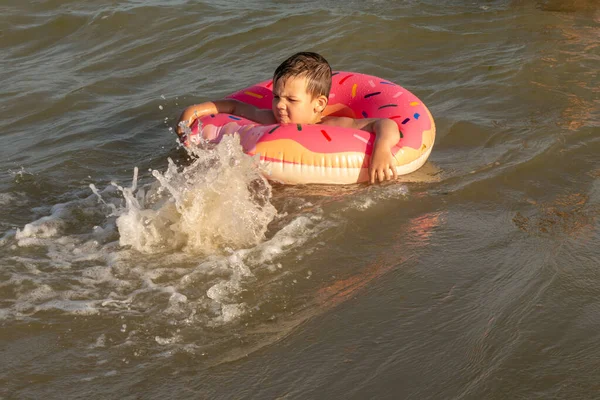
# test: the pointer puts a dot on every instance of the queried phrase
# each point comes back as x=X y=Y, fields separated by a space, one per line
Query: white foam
x=45 y=227
x=76 y=307
x=230 y=312
x=368 y=199
x=7 y=199
x=167 y=340
x=21 y=175
x=100 y=341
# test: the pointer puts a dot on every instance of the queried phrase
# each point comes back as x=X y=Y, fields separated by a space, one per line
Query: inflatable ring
x=299 y=154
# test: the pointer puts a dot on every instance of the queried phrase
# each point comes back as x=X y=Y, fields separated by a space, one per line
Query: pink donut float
x=300 y=154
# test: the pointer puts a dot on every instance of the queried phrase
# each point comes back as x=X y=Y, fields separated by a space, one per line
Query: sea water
x=130 y=268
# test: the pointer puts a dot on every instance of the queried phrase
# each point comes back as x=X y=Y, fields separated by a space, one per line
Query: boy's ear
x=321 y=103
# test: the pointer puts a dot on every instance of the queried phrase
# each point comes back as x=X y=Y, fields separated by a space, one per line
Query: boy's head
x=312 y=66
x=301 y=86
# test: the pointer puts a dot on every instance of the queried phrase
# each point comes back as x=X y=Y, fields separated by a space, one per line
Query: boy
x=301 y=87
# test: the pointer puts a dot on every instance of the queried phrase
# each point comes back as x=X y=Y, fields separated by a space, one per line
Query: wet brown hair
x=313 y=66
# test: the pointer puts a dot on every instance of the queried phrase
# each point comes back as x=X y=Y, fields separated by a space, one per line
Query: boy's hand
x=382 y=166
x=189 y=115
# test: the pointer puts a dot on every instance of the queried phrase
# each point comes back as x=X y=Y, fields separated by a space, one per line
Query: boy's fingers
x=383 y=174
x=378 y=176
x=388 y=174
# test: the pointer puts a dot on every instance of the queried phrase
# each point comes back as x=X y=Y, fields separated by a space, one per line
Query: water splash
x=218 y=202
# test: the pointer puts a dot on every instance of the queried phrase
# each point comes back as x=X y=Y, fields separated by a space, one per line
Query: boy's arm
x=228 y=106
x=387 y=135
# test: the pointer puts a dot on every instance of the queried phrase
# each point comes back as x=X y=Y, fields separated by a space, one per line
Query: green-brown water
x=476 y=278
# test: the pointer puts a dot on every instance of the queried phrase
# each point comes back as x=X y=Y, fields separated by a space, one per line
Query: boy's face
x=292 y=104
